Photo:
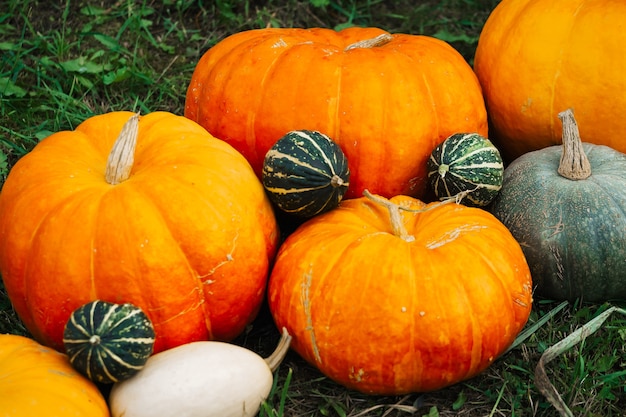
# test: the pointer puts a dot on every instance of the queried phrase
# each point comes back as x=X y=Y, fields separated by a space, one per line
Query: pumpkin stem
x=337 y=181
x=394 y=211
x=574 y=164
x=122 y=154
x=281 y=350
x=379 y=40
x=443 y=170
x=394 y=215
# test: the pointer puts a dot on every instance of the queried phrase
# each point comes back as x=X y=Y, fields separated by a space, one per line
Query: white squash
x=199 y=379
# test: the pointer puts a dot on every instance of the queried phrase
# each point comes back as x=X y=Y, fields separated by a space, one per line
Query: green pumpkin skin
x=572 y=232
x=466 y=163
x=305 y=173
x=108 y=342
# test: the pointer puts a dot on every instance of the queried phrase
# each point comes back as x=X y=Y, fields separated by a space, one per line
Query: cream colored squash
x=199 y=379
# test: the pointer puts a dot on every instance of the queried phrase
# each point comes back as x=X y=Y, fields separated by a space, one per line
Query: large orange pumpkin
x=417 y=303
x=536 y=58
x=387 y=100
x=38 y=381
x=188 y=236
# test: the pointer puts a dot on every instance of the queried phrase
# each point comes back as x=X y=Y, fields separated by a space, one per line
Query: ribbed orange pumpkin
x=536 y=58
x=387 y=100
x=414 y=304
x=38 y=381
x=188 y=237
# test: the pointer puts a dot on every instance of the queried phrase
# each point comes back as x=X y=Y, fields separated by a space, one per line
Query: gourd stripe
x=299 y=209
x=101 y=328
x=486 y=164
x=470 y=181
x=102 y=367
x=326 y=203
x=322 y=152
x=294 y=190
x=127 y=316
x=116 y=358
x=279 y=155
x=78 y=327
x=135 y=340
x=77 y=352
x=494 y=157
x=477 y=183
x=443 y=150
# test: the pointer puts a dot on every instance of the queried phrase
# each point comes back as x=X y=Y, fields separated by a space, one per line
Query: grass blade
x=542 y=381
x=526 y=333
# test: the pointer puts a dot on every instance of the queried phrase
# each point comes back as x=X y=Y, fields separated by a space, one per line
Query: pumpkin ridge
x=558 y=70
x=133 y=193
x=87 y=197
x=498 y=286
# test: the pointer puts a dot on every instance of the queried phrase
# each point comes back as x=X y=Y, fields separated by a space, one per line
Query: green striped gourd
x=466 y=166
x=305 y=173
x=108 y=342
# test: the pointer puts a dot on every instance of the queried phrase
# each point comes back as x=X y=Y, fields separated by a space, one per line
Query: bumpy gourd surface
x=108 y=342
x=573 y=233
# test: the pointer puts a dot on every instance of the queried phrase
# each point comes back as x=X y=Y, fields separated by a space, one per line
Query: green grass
x=62 y=62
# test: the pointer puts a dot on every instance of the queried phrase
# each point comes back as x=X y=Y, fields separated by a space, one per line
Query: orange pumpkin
x=536 y=58
x=38 y=381
x=188 y=237
x=387 y=100
x=416 y=303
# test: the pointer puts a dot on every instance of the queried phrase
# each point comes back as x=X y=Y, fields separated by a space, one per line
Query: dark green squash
x=305 y=173
x=466 y=163
x=108 y=342
x=566 y=206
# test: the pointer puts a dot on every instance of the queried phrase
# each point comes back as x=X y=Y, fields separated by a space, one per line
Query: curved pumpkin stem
x=281 y=350
x=379 y=40
x=394 y=211
x=397 y=225
x=574 y=163
x=122 y=154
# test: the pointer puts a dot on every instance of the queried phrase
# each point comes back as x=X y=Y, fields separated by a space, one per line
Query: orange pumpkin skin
x=386 y=106
x=188 y=237
x=383 y=315
x=537 y=58
x=38 y=381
